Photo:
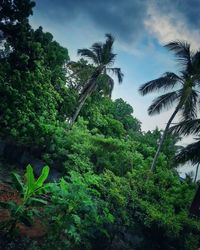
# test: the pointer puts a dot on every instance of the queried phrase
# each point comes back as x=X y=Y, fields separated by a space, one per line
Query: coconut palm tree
x=184 y=89
x=103 y=58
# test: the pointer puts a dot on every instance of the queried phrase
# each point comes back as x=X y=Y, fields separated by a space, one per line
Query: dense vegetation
x=61 y=112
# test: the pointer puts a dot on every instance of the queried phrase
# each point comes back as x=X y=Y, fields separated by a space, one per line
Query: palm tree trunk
x=86 y=92
x=78 y=110
x=196 y=174
x=153 y=165
x=82 y=101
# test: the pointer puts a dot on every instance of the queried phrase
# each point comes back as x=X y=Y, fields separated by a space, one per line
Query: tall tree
x=32 y=78
x=184 y=85
x=103 y=58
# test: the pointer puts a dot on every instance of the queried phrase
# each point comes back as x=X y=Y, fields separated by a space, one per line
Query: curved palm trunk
x=81 y=103
x=77 y=111
x=196 y=174
x=153 y=165
x=86 y=92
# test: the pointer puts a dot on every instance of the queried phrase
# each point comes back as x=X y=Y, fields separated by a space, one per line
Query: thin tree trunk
x=87 y=91
x=82 y=101
x=78 y=110
x=90 y=85
x=153 y=165
x=196 y=174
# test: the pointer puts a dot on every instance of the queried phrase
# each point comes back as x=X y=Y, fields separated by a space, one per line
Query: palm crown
x=103 y=58
x=185 y=84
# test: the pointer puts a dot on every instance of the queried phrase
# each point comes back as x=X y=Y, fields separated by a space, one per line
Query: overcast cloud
x=131 y=20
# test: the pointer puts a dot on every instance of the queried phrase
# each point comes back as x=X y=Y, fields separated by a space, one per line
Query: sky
x=140 y=27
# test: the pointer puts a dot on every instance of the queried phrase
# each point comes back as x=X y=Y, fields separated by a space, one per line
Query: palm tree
x=103 y=58
x=184 y=89
x=191 y=152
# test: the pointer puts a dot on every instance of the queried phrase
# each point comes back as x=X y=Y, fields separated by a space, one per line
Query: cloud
x=171 y=25
x=130 y=21
x=189 y=9
x=122 y=18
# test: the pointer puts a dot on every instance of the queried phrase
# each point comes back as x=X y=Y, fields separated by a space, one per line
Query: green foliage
x=81 y=150
x=76 y=214
x=153 y=208
x=69 y=150
x=111 y=118
x=119 y=156
x=149 y=142
x=122 y=112
x=162 y=204
x=107 y=198
x=32 y=95
x=32 y=78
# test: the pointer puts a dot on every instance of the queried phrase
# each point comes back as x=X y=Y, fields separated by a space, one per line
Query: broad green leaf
x=40 y=181
x=37 y=201
x=17 y=182
x=30 y=178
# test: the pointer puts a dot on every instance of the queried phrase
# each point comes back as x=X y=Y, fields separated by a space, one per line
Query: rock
x=2 y=147
x=15 y=154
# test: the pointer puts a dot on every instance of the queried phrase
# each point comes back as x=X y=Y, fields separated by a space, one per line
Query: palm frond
x=163 y=102
x=107 y=55
x=108 y=45
x=182 y=51
x=196 y=64
x=88 y=54
x=97 y=49
x=186 y=127
x=110 y=60
x=166 y=81
x=196 y=57
x=110 y=39
x=117 y=72
x=189 y=109
x=189 y=153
